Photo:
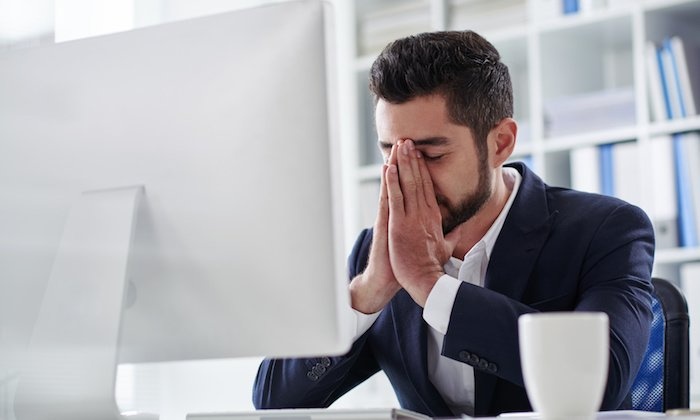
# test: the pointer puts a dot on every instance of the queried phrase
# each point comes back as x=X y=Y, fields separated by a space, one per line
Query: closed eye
x=433 y=158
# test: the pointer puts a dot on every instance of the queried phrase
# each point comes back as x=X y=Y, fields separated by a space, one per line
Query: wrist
x=421 y=286
x=368 y=295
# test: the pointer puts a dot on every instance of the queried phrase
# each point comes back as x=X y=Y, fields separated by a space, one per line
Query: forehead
x=420 y=113
x=420 y=118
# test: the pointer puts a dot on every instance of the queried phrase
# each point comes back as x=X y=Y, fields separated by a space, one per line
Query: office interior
x=582 y=89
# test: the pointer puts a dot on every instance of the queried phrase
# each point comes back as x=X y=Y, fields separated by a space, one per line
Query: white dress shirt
x=454 y=380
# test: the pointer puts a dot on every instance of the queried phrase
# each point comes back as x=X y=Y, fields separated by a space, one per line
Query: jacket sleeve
x=317 y=382
x=606 y=268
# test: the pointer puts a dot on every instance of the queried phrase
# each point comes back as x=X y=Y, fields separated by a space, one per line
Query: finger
x=383 y=216
x=394 y=192
x=383 y=208
x=426 y=182
x=391 y=160
x=407 y=176
x=415 y=160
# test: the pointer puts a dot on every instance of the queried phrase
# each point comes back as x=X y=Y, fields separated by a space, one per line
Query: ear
x=502 y=140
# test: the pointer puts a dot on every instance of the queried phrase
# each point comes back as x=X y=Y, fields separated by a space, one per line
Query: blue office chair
x=663 y=379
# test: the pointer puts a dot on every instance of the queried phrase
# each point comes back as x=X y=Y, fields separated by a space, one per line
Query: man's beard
x=469 y=206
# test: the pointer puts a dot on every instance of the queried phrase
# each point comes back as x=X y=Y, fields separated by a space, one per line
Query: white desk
x=398 y=414
x=608 y=415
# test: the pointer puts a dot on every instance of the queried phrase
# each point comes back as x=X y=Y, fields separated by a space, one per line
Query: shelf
x=676 y=255
x=381 y=22
x=675 y=126
x=561 y=66
x=483 y=15
x=578 y=20
x=660 y=5
x=579 y=82
x=587 y=58
x=586 y=139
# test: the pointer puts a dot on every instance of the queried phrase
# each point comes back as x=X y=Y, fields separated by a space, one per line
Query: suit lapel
x=524 y=232
x=523 y=235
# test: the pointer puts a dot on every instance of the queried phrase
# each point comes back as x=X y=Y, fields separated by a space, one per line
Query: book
x=686 y=147
x=569 y=7
x=657 y=103
x=625 y=172
x=585 y=169
x=670 y=85
x=679 y=64
x=607 y=186
x=687 y=223
x=663 y=209
x=690 y=146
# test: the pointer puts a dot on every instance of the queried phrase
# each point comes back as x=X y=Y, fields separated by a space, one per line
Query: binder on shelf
x=626 y=186
x=691 y=152
x=610 y=169
x=663 y=209
x=669 y=82
x=681 y=77
x=585 y=169
x=678 y=101
x=657 y=101
x=569 y=6
x=671 y=78
x=683 y=146
x=607 y=186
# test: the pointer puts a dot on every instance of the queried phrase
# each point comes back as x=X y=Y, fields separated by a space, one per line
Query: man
x=463 y=245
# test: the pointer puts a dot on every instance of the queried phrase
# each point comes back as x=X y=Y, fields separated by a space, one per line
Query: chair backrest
x=663 y=379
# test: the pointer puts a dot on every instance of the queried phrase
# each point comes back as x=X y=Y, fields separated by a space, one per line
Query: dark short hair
x=461 y=66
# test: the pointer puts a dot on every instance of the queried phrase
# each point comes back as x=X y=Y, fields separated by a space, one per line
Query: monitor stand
x=71 y=365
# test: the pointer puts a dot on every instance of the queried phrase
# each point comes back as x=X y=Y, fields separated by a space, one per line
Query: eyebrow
x=429 y=141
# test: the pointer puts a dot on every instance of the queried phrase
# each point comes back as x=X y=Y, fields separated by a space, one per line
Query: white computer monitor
x=206 y=148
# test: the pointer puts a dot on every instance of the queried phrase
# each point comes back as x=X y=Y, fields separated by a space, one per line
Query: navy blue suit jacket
x=558 y=250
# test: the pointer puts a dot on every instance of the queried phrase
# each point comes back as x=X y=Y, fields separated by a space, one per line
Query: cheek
x=454 y=185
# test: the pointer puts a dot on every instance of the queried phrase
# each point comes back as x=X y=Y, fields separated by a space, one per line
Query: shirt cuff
x=363 y=322
x=438 y=306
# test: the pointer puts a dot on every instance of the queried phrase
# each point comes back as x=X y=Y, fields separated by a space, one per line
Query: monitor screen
x=228 y=125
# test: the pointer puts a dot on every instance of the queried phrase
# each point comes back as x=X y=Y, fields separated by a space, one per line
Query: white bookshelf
x=591 y=54
x=551 y=56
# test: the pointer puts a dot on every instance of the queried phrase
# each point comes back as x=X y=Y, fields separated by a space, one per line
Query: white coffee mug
x=564 y=358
